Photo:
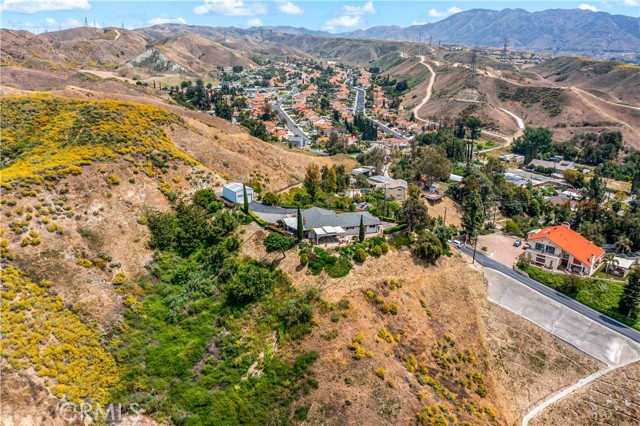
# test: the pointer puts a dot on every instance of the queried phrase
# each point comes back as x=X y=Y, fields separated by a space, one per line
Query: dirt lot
x=500 y=248
x=454 y=212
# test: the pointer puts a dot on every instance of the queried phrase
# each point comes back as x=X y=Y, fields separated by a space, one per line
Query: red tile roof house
x=561 y=248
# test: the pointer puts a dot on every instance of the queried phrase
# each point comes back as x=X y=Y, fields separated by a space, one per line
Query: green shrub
x=340 y=269
x=304 y=259
x=277 y=242
x=395 y=229
x=376 y=251
x=360 y=255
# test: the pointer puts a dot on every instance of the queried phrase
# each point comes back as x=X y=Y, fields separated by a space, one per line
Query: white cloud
x=585 y=6
x=161 y=20
x=73 y=22
x=366 y=9
x=630 y=2
x=418 y=23
x=289 y=8
x=434 y=13
x=255 y=22
x=344 y=21
x=50 y=21
x=231 y=8
x=34 y=6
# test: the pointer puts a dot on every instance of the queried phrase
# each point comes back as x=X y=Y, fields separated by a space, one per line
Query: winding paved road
x=291 y=125
x=359 y=107
x=601 y=319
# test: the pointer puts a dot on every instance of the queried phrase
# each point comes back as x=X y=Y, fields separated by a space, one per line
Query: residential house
x=233 y=192
x=321 y=223
x=561 y=248
x=395 y=188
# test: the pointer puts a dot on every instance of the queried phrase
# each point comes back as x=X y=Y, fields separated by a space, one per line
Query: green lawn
x=600 y=273
x=603 y=296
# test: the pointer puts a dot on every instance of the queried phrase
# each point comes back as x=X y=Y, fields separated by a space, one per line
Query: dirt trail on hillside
x=427 y=96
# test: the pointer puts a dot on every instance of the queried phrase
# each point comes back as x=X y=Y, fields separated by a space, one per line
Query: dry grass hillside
x=75 y=191
x=418 y=383
x=613 y=399
x=70 y=50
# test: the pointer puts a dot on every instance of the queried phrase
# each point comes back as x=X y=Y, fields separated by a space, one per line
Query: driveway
x=555 y=295
x=500 y=248
x=270 y=214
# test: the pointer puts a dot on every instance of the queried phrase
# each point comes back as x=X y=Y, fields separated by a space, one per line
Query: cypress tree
x=246 y=200
x=300 y=230
x=361 y=233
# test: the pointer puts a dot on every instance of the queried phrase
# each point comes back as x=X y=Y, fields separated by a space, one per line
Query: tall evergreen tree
x=473 y=214
x=361 y=232
x=300 y=230
x=245 y=199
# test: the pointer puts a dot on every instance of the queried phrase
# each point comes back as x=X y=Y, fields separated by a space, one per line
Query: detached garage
x=233 y=192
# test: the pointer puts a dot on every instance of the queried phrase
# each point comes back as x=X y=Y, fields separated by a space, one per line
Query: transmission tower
x=503 y=55
x=471 y=80
x=420 y=43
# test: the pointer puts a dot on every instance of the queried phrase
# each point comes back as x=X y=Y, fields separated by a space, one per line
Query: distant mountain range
x=553 y=30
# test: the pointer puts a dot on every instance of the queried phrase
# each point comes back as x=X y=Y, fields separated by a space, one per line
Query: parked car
x=526 y=246
x=517 y=243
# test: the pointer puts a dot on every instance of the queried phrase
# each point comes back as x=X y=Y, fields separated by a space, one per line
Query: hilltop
x=573 y=31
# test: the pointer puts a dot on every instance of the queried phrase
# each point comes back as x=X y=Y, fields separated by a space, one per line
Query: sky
x=327 y=15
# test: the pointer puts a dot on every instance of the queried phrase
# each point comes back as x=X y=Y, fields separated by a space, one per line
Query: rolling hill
x=554 y=30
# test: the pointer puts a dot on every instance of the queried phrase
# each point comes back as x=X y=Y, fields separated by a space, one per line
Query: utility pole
x=86 y=24
x=430 y=37
x=420 y=44
x=475 y=244
x=444 y=222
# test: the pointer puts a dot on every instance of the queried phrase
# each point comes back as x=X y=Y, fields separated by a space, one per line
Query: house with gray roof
x=321 y=223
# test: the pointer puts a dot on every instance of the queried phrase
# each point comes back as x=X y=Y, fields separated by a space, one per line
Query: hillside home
x=321 y=223
x=233 y=192
x=561 y=248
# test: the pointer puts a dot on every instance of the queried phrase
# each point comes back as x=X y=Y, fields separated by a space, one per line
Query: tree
x=413 y=116
x=534 y=141
x=245 y=199
x=609 y=261
x=473 y=214
x=329 y=180
x=596 y=189
x=574 y=177
x=246 y=281
x=300 y=226
x=629 y=304
x=269 y=199
x=361 y=231
x=162 y=227
x=360 y=255
x=224 y=110
x=428 y=247
x=312 y=180
x=623 y=244
x=277 y=242
x=434 y=163
x=474 y=124
x=414 y=214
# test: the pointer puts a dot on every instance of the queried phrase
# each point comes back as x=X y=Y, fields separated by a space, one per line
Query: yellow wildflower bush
x=42 y=134
x=39 y=332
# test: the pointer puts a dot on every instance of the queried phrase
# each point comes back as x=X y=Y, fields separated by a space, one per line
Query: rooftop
x=571 y=242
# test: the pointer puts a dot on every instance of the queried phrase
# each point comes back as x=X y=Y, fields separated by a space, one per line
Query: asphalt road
x=359 y=108
x=291 y=125
x=602 y=319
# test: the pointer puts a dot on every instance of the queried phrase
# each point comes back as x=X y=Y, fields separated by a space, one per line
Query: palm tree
x=610 y=260
x=624 y=244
